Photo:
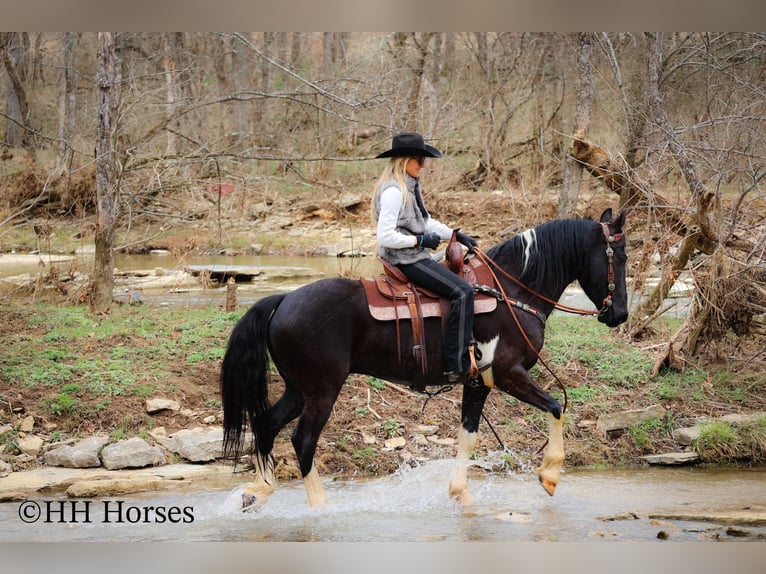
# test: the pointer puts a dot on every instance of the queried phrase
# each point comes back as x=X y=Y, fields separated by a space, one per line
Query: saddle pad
x=382 y=306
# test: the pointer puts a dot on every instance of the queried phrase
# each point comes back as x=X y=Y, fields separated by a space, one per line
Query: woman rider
x=406 y=231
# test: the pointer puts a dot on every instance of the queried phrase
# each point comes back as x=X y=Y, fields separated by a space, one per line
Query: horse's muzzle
x=612 y=318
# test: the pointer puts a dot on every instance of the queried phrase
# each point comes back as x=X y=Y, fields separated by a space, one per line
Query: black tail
x=244 y=390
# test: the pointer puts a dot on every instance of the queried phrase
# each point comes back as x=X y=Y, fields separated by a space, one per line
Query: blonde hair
x=395 y=169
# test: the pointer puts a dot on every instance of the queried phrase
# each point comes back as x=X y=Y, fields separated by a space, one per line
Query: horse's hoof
x=548 y=485
x=244 y=500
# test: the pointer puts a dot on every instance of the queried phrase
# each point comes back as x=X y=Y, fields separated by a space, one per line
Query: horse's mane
x=548 y=254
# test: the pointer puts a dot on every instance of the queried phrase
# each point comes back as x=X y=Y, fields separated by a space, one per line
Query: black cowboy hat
x=410 y=145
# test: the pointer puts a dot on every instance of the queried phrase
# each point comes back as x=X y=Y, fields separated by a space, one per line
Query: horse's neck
x=554 y=285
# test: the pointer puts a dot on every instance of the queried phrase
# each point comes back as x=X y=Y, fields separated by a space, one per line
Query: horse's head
x=603 y=279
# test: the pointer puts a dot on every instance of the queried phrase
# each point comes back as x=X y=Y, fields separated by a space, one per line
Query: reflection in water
x=413 y=505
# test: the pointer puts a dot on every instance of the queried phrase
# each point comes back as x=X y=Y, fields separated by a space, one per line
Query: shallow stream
x=412 y=505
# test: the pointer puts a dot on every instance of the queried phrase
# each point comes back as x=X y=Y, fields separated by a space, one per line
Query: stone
x=84 y=454
x=27 y=424
x=427 y=429
x=367 y=438
x=738 y=419
x=195 y=445
x=157 y=405
x=445 y=441
x=12 y=496
x=672 y=458
x=114 y=486
x=626 y=419
x=686 y=435
x=394 y=443
x=30 y=445
x=131 y=453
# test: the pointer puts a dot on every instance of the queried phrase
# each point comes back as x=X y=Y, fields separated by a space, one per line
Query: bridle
x=610 y=277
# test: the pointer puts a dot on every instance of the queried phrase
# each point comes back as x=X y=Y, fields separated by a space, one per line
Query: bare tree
x=17 y=106
x=67 y=104
x=585 y=91
x=106 y=181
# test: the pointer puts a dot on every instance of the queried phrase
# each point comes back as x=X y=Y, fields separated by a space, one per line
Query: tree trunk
x=67 y=105
x=17 y=106
x=570 y=191
x=172 y=44
x=106 y=196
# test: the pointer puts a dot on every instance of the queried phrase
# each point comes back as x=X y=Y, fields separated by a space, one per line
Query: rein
x=609 y=239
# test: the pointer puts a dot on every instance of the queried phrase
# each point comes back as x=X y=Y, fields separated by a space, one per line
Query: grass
x=591 y=343
x=79 y=363
x=720 y=441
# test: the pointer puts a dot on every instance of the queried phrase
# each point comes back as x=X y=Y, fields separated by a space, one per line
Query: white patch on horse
x=529 y=237
x=487 y=352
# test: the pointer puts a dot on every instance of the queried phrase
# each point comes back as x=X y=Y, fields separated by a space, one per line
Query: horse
x=321 y=332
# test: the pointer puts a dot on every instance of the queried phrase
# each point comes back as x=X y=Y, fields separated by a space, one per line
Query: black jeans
x=459 y=325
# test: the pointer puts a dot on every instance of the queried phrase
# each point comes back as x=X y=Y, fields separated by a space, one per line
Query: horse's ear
x=620 y=221
x=606 y=217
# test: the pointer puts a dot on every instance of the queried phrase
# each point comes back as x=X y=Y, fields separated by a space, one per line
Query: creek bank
x=99 y=466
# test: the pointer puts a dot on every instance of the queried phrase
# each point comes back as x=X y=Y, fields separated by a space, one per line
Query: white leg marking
x=549 y=471
x=458 y=487
x=314 y=488
x=253 y=495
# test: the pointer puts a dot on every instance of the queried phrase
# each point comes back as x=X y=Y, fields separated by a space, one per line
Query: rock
x=27 y=424
x=114 y=486
x=84 y=454
x=367 y=438
x=208 y=420
x=131 y=453
x=5 y=428
x=195 y=445
x=12 y=496
x=157 y=405
x=158 y=432
x=672 y=458
x=738 y=419
x=420 y=439
x=395 y=442
x=427 y=429
x=30 y=445
x=620 y=421
x=686 y=435
x=446 y=441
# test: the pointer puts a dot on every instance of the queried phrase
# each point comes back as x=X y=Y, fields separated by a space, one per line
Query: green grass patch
x=79 y=360
x=591 y=343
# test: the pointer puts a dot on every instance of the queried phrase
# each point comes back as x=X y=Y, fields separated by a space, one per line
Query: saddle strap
x=418 y=332
x=387 y=281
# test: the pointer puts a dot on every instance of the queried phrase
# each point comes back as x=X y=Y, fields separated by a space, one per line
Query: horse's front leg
x=549 y=470
x=518 y=383
x=474 y=395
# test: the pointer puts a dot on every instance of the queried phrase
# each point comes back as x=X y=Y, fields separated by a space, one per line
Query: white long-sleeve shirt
x=387 y=235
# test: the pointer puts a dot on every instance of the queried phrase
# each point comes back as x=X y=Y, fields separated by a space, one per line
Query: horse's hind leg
x=474 y=396
x=315 y=414
x=255 y=494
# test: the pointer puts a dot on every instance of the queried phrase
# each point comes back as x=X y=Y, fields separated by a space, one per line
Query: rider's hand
x=429 y=240
x=466 y=240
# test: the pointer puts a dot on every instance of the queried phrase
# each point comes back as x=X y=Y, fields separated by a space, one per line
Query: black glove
x=429 y=240
x=466 y=240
